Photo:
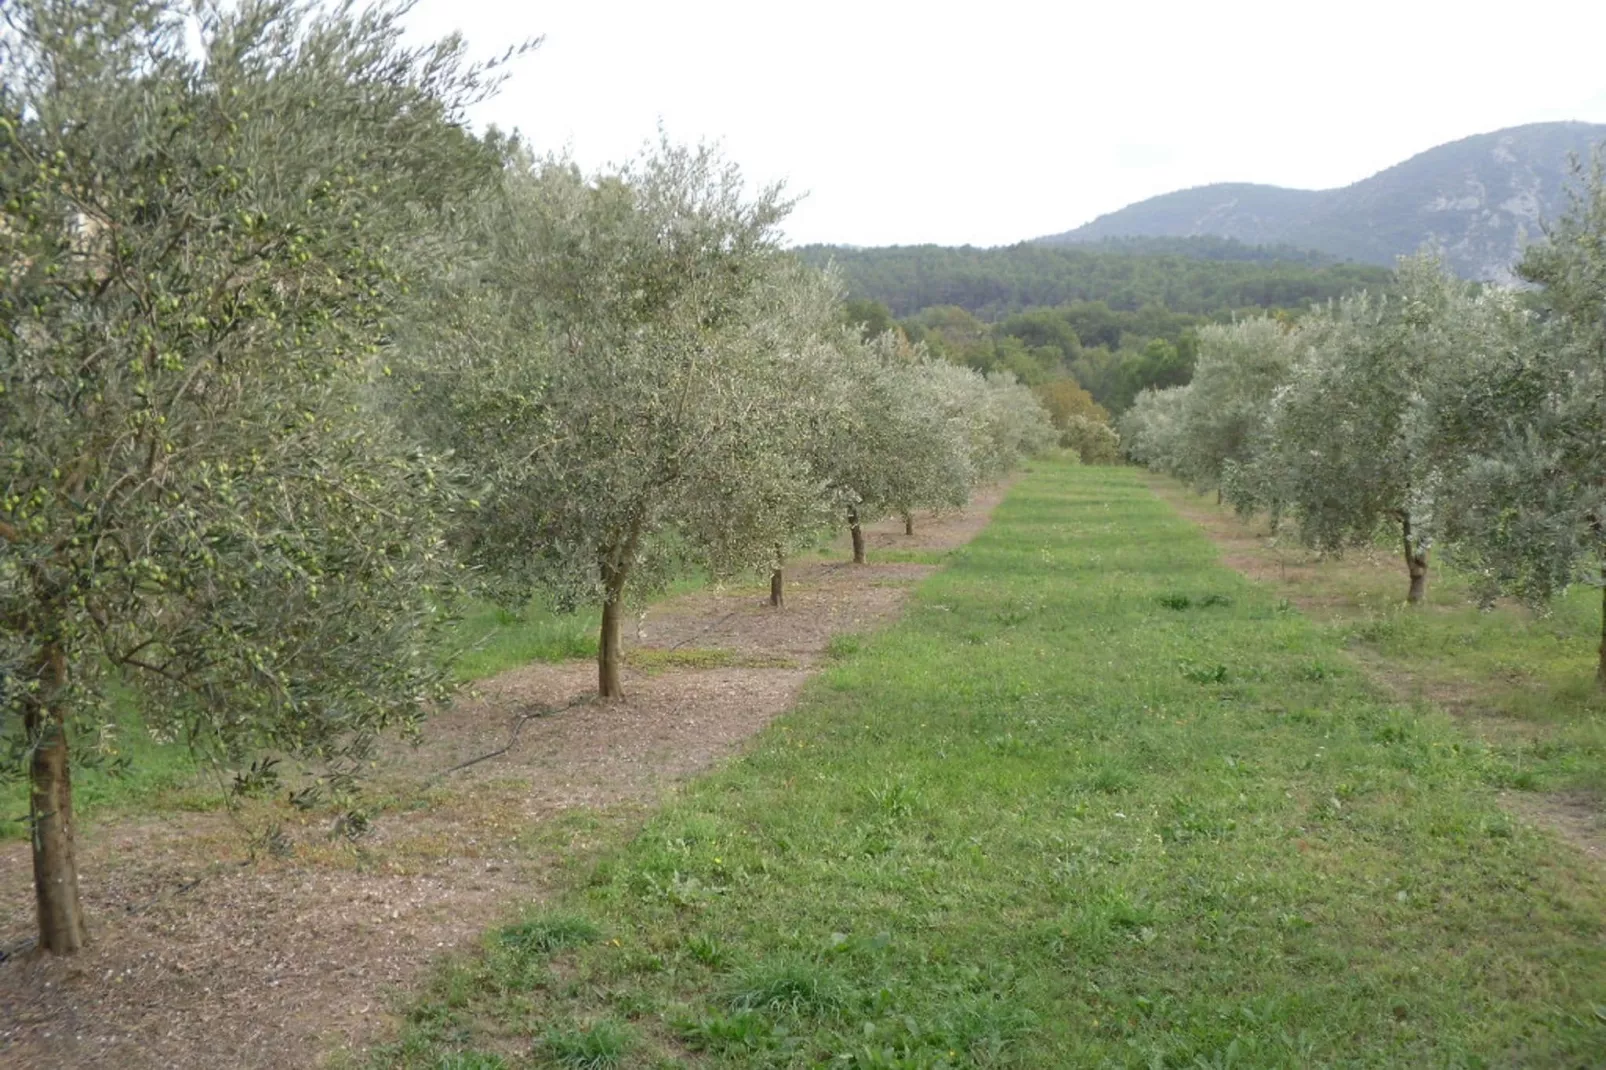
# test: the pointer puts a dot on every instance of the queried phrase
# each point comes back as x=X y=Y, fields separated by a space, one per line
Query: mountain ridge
x=1479 y=198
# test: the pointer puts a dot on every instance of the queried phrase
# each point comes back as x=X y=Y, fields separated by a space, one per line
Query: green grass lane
x=1097 y=800
x=1524 y=679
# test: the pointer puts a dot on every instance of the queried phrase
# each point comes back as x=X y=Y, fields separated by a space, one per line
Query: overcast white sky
x=989 y=123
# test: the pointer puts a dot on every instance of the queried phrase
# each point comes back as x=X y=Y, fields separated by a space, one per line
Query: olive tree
x=906 y=432
x=1223 y=418
x=659 y=289
x=1525 y=506
x=935 y=425
x=1151 y=430
x=1015 y=426
x=1352 y=447
x=208 y=214
x=855 y=449
x=784 y=504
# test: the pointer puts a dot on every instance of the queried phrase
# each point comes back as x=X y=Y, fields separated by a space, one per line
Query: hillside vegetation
x=1199 y=278
x=1112 y=320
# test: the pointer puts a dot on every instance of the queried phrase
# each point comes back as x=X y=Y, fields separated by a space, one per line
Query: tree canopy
x=1524 y=507
x=204 y=243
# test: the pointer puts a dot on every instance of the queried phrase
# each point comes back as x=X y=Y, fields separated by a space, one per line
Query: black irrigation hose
x=518 y=726
x=22 y=947
x=720 y=622
x=703 y=632
x=188 y=886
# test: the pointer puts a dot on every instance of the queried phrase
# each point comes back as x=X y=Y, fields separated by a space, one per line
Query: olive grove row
x=1466 y=419
x=290 y=359
x=633 y=375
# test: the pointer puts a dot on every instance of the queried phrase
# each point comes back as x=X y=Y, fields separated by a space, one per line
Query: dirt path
x=205 y=957
x=1309 y=583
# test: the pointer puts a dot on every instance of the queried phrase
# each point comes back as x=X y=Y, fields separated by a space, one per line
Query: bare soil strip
x=1307 y=581
x=206 y=953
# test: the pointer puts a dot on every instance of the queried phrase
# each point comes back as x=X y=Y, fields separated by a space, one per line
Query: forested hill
x=1204 y=276
x=1478 y=198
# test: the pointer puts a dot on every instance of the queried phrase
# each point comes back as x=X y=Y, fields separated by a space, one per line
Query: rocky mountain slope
x=1481 y=199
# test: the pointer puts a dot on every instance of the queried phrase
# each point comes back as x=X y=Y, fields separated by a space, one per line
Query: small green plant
x=1203 y=674
x=1016 y=613
x=1396 y=732
x=857 y=944
x=788 y=982
x=707 y=950
x=1313 y=672
x=895 y=799
x=1514 y=778
x=518 y=954
x=599 y=1046
x=1112 y=779
x=1181 y=602
x=543 y=935
x=741 y=1030
x=843 y=646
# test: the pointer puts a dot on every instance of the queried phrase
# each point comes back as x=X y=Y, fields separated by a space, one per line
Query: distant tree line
x=993 y=283
x=1127 y=351
x=1204 y=247
x=1118 y=317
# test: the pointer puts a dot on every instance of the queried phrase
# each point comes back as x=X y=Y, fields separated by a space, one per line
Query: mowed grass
x=1524 y=680
x=1534 y=673
x=1096 y=801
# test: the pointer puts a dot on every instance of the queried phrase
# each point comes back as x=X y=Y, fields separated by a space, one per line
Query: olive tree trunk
x=908 y=523
x=50 y=820
x=1416 y=564
x=608 y=651
x=1600 y=667
x=778 y=578
x=858 y=536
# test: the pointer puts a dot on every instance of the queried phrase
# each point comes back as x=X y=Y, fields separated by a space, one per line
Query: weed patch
x=599 y=1046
